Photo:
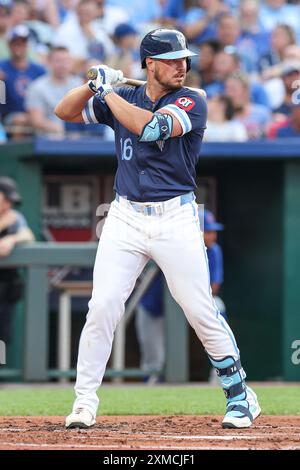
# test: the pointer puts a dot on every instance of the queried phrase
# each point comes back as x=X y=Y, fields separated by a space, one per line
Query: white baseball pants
x=172 y=238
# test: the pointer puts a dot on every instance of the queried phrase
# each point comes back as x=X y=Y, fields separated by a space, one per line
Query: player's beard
x=165 y=83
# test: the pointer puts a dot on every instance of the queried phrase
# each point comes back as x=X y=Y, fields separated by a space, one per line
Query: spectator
x=254 y=117
x=127 y=51
x=292 y=53
x=44 y=93
x=81 y=36
x=20 y=12
x=18 y=72
x=142 y=14
x=13 y=230
x=290 y=75
x=229 y=35
x=291 y=128
x=225 y=63
x=149 y=323
x=200 y=22
x=65 y=7
x=221 y=127
x=215 y=257
x=108 y=17
x=274 y=12
x=45 y=11
x=205 y=66
x=282 y=36
x=253 y=39
x=5 y=14
x=215 y=263
x=173 y=11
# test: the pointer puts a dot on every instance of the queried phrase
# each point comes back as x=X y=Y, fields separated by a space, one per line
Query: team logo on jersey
x=185 y=103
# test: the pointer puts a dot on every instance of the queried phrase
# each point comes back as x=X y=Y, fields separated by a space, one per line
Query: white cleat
x=241 y=414
x=80 y=418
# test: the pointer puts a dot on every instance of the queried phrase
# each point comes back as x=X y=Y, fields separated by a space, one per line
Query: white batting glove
x=106 y=76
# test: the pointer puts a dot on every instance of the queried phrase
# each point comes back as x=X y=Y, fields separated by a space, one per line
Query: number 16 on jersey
x=126 y=148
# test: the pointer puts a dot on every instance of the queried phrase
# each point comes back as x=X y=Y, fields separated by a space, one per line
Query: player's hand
x=106 y=76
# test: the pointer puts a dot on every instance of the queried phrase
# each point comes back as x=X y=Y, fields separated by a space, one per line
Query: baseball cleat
x=241 y=413
x=80 y=418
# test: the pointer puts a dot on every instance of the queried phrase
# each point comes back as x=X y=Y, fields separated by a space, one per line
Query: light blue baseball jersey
x=161 y=170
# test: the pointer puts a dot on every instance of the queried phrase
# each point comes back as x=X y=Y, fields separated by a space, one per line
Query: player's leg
x=119 y=261
x=181 y=255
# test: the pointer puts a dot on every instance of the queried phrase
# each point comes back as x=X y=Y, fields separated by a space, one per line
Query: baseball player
x=158 y=133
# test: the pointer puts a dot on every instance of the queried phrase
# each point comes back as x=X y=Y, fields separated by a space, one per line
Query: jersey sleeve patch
x=185 y=102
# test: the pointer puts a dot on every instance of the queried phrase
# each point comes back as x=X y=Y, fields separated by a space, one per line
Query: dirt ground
x=149 y=432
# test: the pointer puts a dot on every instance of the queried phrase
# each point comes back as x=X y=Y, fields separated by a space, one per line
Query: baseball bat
x=93 y=72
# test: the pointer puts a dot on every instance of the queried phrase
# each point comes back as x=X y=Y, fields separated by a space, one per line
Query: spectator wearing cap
x=13 y=230
x=290 y=75
x=214 y=255
x=127 y=55
x=5 y=16
x=17 y=73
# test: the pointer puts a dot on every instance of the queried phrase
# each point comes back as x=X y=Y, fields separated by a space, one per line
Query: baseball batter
x=158 y=133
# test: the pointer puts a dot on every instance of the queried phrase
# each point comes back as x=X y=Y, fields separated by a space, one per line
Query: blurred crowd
x=248 y=62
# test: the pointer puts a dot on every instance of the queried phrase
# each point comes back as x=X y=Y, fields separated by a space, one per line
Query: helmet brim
x=174 y=55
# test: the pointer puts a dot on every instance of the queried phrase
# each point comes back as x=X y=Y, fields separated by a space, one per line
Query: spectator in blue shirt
x=17 y=73
x=215 y=257
x=227 y=62
x=292 y=128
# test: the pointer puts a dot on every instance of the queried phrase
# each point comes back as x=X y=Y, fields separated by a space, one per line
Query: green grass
x=130 y=400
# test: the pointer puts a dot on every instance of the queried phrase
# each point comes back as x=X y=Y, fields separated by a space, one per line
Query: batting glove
x=105 y=76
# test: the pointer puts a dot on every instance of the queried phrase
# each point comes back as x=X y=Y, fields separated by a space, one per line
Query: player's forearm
x=130 y=116
x=73 y=103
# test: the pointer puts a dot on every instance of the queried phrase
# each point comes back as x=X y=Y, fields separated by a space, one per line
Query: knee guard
x=231 y=375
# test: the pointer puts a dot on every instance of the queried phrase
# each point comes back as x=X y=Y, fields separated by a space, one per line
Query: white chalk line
x=114 y=446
